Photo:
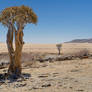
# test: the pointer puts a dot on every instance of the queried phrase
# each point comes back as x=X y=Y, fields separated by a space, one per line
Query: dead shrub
x=84 y=53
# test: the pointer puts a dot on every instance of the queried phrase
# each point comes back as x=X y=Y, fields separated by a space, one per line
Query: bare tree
x=15 y=19
x=59 y=48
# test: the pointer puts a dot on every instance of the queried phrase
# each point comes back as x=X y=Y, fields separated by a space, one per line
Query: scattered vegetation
x=28 y=59
x=84 y=53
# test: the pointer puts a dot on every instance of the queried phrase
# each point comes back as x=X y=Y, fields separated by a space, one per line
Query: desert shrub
x=84 y=53
x=64 y=57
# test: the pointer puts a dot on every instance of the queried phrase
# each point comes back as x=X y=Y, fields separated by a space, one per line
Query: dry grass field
x=58 y=76
x=51 y=48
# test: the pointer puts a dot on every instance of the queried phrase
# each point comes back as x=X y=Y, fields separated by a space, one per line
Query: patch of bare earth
x=59 y=76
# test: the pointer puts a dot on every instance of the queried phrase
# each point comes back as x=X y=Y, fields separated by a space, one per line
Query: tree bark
x=18 y=51
x=15 y=56
x=10 y=49
x=59 y=52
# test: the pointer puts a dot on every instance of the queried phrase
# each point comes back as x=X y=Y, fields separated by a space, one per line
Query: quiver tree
x=59 y=48
x=15 y=19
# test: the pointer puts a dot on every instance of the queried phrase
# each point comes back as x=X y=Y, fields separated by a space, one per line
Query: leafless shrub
x=32 y=57
x=84 y=53
x=64 y=57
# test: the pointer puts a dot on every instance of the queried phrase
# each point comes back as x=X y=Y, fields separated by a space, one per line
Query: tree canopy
x=18 y=15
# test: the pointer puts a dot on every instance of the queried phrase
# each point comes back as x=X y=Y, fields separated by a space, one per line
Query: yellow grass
x=51 y=48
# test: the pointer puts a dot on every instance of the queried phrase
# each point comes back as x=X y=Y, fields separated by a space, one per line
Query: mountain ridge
x=80 y=41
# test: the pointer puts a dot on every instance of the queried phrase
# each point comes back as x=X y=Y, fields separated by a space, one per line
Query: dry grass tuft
x=84 y=53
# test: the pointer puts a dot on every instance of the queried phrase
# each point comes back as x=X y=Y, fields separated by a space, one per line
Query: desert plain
x=69 y=75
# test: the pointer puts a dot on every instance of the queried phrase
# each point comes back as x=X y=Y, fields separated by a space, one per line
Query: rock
x=3 y=63
x=42 y=76
x=80 y=90
x=20 y=85
x=46 y=85
x=5 y=71
x=75 y=70
x=70 y=87
x=1 y=76
x=0 y=87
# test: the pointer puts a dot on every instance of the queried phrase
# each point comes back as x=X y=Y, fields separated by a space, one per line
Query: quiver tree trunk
x=15 y=56
x=10 y=49
x=59 y=52
x=59 y=48
x=18 y=50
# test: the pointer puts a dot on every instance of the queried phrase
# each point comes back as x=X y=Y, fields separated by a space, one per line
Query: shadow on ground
x=13 y=78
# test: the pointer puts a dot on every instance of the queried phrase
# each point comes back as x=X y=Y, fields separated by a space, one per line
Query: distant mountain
x=80 y=41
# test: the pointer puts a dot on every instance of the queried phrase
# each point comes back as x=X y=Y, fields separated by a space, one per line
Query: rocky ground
x=59 y=76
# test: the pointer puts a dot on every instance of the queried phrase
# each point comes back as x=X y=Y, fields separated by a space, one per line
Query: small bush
x=82 y=54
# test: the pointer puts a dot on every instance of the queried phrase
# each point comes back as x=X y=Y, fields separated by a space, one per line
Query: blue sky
x=58 y=20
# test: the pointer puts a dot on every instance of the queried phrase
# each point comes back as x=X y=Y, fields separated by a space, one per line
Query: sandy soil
x=51 y=48
x=57 y=76
x=65 y=76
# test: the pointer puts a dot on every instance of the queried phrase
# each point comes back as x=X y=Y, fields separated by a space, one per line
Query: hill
x=81 y=41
